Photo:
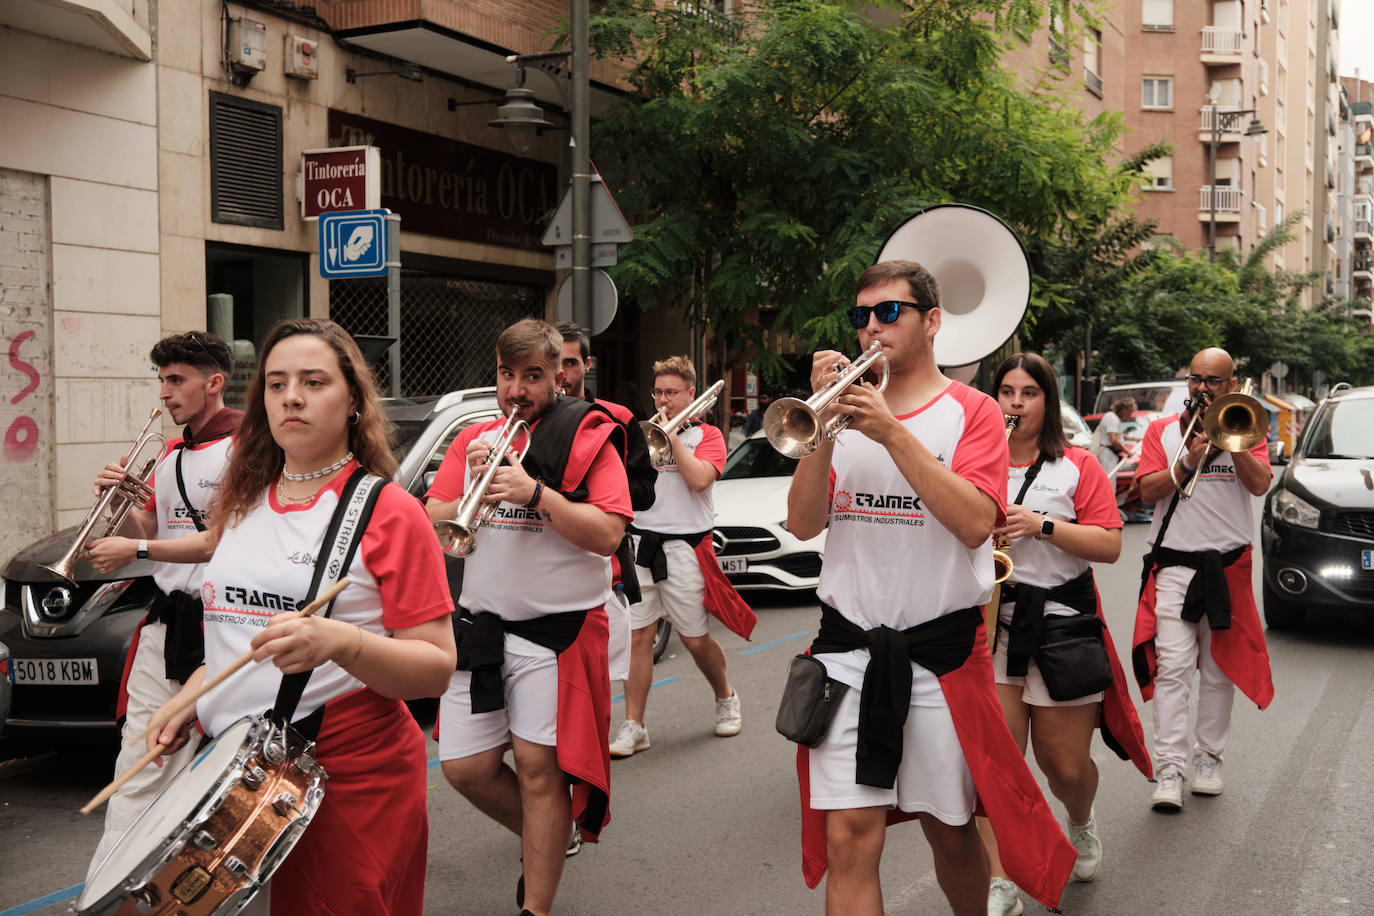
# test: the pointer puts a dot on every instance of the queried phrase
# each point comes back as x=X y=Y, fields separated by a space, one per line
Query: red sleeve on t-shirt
x=711 y=448
x=1261 y=451
x=1152 y=457
x=1094 y=499
x=400 y=550
x=607 y=486
x=981 y=456
x=452 y=477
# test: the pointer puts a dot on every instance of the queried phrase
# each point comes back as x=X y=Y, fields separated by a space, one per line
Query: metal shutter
x=245 y=162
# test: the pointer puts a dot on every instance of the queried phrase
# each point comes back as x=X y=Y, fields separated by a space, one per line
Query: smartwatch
x=1046 y=528
x=142 y=551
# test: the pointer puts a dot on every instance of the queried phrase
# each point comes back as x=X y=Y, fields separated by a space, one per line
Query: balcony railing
x=1218 y=40
x=1364 y=150
x=1364 y=227
x=1228 y=198
x=1361 y=265
x=1228 y=119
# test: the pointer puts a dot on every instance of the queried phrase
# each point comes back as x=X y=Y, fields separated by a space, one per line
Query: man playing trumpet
x=1197 y=607
x=678 y=575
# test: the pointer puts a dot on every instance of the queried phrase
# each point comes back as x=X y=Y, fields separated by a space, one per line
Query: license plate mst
x=733 y=564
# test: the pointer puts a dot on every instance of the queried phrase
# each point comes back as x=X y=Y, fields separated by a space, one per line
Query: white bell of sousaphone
x=981 y=269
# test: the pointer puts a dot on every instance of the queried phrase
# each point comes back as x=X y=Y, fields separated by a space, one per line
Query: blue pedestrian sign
x=353 y=243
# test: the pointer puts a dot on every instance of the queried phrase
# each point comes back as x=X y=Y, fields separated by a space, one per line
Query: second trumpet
x=658 y=430
x=458 y=535
x=794 y=427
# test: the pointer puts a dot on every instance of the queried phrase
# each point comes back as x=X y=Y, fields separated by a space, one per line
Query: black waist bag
x=809 y=701
x=1073 y=657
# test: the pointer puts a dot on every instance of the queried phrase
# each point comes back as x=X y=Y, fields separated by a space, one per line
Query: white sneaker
x=1002 y=899
x=1168 y=790
x=632 y=737
x=728 y=721
x=575 y=842
x=1206 y=774
x=1089 y=845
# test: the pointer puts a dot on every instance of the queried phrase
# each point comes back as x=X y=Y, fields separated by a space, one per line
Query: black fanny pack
x=1073 y=657
x=809 y=700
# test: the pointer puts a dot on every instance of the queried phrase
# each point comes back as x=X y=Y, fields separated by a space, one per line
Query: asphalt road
x=705 y=826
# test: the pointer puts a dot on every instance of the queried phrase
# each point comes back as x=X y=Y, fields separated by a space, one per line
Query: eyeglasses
x=666 y=392
x=1210 y=381
x=886 y=312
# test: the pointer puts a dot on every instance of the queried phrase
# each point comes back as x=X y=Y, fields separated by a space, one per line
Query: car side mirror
x=1277 y=453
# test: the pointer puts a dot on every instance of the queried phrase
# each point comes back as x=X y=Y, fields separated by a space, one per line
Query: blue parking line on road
x=39 y=902
x=776 y=642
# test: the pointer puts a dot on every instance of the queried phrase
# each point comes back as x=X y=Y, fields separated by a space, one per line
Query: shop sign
x=339 y=179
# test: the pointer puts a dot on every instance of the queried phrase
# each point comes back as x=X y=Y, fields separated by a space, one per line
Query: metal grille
x=1354 y=524
x=245 y=162
x=734 y=542
x=449 y=325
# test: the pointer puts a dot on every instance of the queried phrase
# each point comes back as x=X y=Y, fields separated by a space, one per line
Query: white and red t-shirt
x=1220 y=516
x=1073 y=488
x=888 y=561
x=263 y=566
x=522 y=568
x=202 y=467
x=677 y=508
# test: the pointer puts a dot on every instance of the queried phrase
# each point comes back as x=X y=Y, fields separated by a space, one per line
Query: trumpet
x=1234 y=422
x=458 y=535
x=794 y=427
x=658 y=430
x=131 y=492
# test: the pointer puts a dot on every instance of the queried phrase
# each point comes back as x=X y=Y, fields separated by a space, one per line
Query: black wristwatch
x=142 y=551
x=1046 y=527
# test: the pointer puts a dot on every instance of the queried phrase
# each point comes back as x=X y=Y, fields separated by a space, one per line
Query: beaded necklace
x=322 y=472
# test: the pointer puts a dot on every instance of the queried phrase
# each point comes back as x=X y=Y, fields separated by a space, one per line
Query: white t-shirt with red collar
x=202 y=467
x=1220 y=516
x=1073 y=488
x=677 y=508
x=263 y=566
x=888 y=560
x=522 y=568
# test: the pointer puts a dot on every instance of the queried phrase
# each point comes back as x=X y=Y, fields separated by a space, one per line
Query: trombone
x=131 y=492
x=1234 y=422
x=657 y=432
x=458 y=535
x=794 y=427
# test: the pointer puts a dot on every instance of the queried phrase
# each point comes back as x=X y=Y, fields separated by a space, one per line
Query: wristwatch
x=1046 y=528
x=142 y=551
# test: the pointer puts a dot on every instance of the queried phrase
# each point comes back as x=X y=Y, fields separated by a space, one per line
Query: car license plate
x=1367 y=559
x=54 y=671
x=733 y=564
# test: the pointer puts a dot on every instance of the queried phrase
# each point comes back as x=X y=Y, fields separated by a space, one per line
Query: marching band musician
x=675 y=561
x=1197 y=607
x=193 y=369
x=313 y=420
x=532 y=631
x=1061 y=516
x=911 y=493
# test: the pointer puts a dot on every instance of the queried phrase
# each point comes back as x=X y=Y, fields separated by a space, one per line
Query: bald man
x=1197 y=609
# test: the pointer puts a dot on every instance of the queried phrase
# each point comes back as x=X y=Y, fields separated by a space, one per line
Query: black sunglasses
x=886 y=312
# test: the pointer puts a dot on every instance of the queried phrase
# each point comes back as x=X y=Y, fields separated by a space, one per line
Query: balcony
x=112 y=26
x=1362 y=267
x=1364 y=156
x=1227 y=203
x=1221 y=45
x=1364 y=231
x=1229 y=124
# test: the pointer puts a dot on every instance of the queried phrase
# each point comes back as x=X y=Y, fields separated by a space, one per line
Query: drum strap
x=341 y=539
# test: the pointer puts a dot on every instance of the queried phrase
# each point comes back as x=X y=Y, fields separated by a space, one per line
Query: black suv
x=1318 y=529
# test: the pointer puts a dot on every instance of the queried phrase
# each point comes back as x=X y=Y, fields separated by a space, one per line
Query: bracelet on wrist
x=358 y=653
x=538 y=494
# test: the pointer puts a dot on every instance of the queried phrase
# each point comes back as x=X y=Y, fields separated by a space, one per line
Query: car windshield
x=1147 y=397
x=404 y=434
x=756 y=458
x=1345 y=429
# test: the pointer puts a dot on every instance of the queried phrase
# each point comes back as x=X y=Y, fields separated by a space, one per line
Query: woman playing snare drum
x=313 y=418
x=1061 y=517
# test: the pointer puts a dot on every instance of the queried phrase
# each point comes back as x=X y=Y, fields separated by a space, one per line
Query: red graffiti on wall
x=21 y=439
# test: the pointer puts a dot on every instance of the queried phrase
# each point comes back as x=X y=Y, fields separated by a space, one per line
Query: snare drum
x=214 y=836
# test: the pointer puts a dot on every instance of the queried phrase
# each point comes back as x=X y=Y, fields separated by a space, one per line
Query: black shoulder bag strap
x=1031 y=473
x=341 y=539
x=192 y=511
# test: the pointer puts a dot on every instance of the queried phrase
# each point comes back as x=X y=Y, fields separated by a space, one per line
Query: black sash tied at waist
x=1208 y=592
x=184 y=646
x=651 y=555
x=940 y=645
x=481 y=640
x=1027 y=629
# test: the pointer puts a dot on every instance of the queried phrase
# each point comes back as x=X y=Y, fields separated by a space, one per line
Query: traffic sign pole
x=581 y=166
x=393 y=303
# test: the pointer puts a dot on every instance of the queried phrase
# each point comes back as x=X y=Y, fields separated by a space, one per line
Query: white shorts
x=618 y=642
x=932 y=778
x=1033 y=689
x=680 y=597
x=530 y=676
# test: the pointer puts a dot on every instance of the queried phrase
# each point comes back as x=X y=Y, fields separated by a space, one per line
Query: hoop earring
x=353 y=420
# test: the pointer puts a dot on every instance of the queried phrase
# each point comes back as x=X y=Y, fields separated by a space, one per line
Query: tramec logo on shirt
x=878 y=508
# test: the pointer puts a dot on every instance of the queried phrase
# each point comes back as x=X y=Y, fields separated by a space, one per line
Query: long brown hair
x=1052 y=442
x=257 y=460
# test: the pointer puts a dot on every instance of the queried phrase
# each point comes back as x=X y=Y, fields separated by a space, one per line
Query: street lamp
x=1254 y=129
x=520 y=116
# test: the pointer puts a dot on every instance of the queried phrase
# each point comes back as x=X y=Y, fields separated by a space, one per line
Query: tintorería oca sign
x=342 y=178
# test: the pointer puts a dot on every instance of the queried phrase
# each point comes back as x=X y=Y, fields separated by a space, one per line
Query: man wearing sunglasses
x=1197 y=608
x=910 y=493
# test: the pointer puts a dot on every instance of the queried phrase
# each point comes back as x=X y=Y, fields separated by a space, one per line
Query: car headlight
x=1295 y=511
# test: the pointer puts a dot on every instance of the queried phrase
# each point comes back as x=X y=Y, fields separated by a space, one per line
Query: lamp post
x=1254 y=129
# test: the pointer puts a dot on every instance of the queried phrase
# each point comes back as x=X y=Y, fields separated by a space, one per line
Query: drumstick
x=104 y=794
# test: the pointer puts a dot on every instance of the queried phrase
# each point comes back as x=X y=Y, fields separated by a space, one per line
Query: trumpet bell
x=455 y=539
x=1235 y=422
x=792 y=427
